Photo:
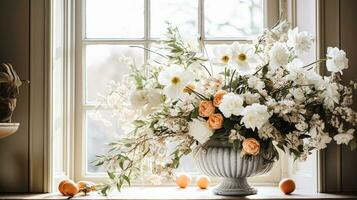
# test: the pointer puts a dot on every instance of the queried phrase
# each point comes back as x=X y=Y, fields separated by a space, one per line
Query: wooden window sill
x=173 y=193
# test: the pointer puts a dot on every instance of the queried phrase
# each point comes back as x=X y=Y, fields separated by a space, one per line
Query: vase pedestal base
x=234 y=187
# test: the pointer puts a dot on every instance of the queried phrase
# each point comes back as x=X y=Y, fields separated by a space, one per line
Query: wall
x=339 y=28
x=14 y=48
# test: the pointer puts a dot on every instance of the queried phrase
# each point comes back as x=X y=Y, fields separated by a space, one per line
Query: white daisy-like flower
x=255 y=116
x=222 y=55
x=300 y=41
x=336 y=60
x=232 y=104
x=344 y=138
x=175 y=78
x=279 y=55
x=199 y=130
x=255 y=83
x=244 y=58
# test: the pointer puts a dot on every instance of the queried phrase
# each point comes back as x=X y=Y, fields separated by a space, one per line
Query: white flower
x=138 y=98
x=255 y=116
x=255 y=83
x=330 y=94
x=279 y=55
x=344 y=138
x=243 y=58
x=315 y=79
x=222 y=55
x=232 y=104
x=336 y=60
x=301 y=42
x=298 y=94
x=175 y=79
x=251 y=98
x=199 y=130
x=154 y=97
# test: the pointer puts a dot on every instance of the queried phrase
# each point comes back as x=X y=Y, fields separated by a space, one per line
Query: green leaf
x=111 y=175
x=126 y=178
x=139 y=123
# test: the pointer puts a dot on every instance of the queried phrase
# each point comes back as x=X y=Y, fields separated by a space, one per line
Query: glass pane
x=101 y=128
x=103 y=65
x=181 y=13
x=58 y=97
x=233 y=18
x=114 y=18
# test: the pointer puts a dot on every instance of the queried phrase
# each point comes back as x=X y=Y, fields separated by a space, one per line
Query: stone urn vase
x=219 y=159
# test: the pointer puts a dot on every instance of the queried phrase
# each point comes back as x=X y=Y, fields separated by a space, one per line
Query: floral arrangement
x=256 y=96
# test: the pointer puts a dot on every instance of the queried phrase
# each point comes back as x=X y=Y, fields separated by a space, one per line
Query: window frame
x=271 y=11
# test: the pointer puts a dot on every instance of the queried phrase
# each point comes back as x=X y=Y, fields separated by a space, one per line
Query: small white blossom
x=336 y=60
x=138 y=98
x=232 y=104
x=330 y=94
x=255 y=83
x=344 y=138
x=251 y=98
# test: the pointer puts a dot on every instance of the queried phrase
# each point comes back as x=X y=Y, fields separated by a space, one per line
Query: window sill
x=266 y=193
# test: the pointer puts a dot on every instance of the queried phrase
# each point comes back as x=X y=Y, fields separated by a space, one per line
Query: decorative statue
x=9 y=89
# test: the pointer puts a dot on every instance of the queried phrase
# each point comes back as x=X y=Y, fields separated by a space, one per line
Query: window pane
x=103 y=64
x=181 y=13
x=233 y=18
x=114 y=18
x=101 y=128
x=58 y=96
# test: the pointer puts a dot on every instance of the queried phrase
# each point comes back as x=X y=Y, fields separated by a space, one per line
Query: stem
x=230 y=84
x=317 y=61
x=206 y=69
x=134 y=46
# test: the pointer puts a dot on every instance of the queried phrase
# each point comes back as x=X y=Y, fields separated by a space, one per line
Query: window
x=105 y=29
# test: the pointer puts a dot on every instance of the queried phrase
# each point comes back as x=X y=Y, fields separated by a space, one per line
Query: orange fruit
x=183 y=180
x=86 y=186
x=60 y=187
x=287 y=186
x=70 y=188
x=203 y=181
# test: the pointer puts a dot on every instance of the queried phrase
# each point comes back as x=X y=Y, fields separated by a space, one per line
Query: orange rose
x=215 y=121
x=251 y=146
x=217 y=99
x=206 y=108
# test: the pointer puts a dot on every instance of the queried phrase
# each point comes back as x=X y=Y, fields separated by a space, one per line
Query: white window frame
x=272 y=9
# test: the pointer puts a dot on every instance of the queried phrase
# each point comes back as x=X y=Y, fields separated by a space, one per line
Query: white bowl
x=7 y=129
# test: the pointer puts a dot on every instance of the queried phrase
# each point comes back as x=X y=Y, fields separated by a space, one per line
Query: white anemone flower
x=221 y=55
x=175 y=78
x=300 y=41
x=232 y=104
x=255 y=116
x=278 y=55
x=244 y=58
x=336 y=60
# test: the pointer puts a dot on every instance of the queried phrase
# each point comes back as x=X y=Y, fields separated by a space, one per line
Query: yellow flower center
x=225 y=59
x=242 y=57
x=175 y=80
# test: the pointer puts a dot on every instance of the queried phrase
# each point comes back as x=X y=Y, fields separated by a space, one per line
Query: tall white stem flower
x=222 y=55
x=300 y=41
x=279 y=55
x=175 y=78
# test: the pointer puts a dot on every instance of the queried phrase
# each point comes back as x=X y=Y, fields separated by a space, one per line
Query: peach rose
x=251 y=146
x=206 y=108
x=215 y=121
x=217 y=99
